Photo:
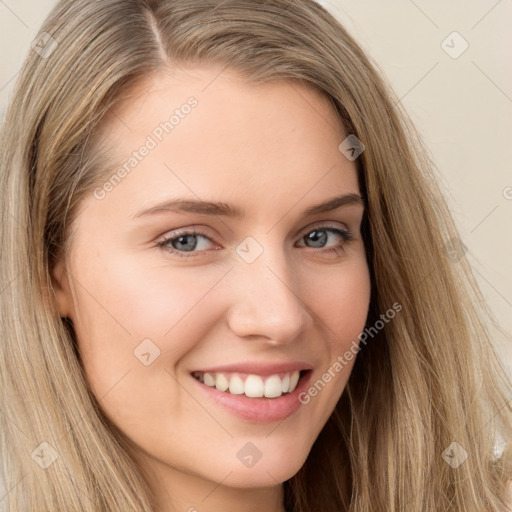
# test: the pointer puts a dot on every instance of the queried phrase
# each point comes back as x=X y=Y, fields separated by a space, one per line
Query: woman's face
x=249 y=299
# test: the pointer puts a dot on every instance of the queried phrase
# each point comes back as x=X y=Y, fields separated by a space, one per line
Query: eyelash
x=346 y=235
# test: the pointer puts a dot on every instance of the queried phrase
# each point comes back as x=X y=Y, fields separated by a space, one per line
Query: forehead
x=215 y=84
x=207 y=131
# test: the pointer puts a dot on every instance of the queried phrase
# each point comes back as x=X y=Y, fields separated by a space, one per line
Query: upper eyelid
x=197 y=227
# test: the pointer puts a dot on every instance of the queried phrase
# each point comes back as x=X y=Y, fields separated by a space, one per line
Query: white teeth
x=221 y=383
x=254 y=386
x=236 y=385
x=293 y=380
x=286 y=383
x=273 y=387
x=209 y=379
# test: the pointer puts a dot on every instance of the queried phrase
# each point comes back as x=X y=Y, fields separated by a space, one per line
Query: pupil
x=184 y=237
x=314 y=236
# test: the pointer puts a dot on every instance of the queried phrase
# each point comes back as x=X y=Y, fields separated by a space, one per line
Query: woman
x=233 y=284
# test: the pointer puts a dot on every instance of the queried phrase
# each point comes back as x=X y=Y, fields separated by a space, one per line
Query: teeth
x=273 y=387
x=286 y=383
x=236 y=385
x=209 y=380
x=293 y=380
x=254 y=386
x=221 y=383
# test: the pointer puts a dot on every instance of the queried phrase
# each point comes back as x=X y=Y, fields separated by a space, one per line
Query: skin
x=273 y=150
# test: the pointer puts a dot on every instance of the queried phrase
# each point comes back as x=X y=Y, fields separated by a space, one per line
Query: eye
x=185 y=244
x=320 y=235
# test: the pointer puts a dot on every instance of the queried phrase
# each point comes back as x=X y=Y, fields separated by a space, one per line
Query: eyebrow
x=185 y=205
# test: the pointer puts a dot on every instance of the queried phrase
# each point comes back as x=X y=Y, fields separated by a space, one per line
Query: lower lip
x=261 y=409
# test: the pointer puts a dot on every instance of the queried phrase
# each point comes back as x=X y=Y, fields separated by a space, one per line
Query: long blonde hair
x=428 y=379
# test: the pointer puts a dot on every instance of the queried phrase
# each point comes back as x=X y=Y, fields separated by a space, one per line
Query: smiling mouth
x=252 y=385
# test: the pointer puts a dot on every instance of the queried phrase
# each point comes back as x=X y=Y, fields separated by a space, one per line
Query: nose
x=264 y=301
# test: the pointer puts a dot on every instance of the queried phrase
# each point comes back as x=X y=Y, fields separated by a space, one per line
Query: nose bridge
x=267 y=301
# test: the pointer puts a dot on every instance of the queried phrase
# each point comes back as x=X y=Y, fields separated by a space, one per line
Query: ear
x=62 y=291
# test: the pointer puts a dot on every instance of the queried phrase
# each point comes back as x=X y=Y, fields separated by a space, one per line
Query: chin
x=268 y=471
x=252 y=479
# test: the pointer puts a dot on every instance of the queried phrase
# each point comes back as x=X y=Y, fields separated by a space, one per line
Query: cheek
x=126 y=301
x=123 y=307
x=341 y=306
x=341 y=301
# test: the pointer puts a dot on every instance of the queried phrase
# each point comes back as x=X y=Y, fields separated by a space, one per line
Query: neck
x=177 y=491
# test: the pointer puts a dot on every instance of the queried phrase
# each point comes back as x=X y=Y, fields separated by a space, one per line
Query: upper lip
x=258 y=368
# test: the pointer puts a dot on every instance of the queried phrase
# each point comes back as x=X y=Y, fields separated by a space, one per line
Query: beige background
x=462 y=106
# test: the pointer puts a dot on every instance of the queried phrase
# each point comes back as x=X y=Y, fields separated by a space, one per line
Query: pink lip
x=258 y=410
x=262 y=369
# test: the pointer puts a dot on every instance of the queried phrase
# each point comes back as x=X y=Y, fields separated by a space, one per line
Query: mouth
x=253 y=385
x=252 y=397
